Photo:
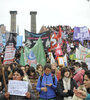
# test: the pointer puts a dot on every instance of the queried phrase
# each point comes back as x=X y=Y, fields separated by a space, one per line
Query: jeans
x=47 y=99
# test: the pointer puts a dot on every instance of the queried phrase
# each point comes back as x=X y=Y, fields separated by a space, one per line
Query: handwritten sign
x=17 y=87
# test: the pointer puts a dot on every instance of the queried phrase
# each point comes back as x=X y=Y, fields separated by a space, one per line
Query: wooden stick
x=3 y=73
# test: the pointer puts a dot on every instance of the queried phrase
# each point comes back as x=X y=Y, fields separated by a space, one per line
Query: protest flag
x=53 y=43
x=38 y=50
x=59 y=36
x=72 y=56
x=58 y=51
x=22 y=61
x=68 y=48
x=35 y=55
x=51 y=57
x=60 y=32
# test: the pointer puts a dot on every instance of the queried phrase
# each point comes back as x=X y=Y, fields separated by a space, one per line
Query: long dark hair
x=63 y=70
x=32 y=69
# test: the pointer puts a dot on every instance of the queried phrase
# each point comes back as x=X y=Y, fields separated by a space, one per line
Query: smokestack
x=13 y=21
x=33 y=21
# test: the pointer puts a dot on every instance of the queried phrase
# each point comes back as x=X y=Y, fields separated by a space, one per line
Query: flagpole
x=3 y=73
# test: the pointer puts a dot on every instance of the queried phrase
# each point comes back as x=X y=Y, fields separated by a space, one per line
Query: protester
x=46 y=85
x=17 y=57
x=10 y=71
x=27 y=68
x=82 y=94
x=55 y=70
x=33 y=79
x=14 y=66
x=25 y=78
x=32 y=73
x=84 y=66
x=65 y=85
x=79 y=73
x=39 y=70
x=18 y=75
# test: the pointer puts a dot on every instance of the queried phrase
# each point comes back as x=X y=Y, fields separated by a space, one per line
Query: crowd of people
x=51 y=81
x=48 y=82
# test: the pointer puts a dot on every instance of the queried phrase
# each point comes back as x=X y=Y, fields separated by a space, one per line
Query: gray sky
x=49 y=12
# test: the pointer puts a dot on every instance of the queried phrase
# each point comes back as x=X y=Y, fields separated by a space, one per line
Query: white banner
x=81 y=54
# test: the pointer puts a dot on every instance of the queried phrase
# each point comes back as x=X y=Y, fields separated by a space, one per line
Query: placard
x=9 y=54
x=16 y=87
x=61 y=61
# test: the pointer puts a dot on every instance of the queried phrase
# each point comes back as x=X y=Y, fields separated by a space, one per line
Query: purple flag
x=81 y=33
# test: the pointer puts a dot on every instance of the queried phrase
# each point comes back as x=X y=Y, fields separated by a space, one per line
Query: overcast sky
x=49 y=12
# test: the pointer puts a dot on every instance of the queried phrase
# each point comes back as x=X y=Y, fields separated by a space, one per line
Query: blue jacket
x=47 y=79
x=88 y=97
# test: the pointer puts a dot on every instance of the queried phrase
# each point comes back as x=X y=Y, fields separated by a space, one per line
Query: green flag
x=38 y=50
x=73 y=57
x=22 y=62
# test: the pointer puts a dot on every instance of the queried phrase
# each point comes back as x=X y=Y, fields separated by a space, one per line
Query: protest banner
x=32 y=38
x=11 y=39
x=9 y=54
x=83 y=55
